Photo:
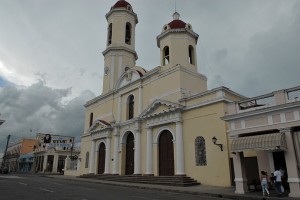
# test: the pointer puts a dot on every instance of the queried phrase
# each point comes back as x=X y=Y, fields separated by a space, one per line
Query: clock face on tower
x=106 y=71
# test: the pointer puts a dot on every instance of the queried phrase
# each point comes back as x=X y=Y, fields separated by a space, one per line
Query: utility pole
x=72 y=146
x=4 y=157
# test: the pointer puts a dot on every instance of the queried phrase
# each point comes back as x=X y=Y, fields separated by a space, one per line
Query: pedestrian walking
x=264 y=183
x=278 y=185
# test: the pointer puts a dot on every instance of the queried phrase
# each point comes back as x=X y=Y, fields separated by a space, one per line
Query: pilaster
x=179 y=150
x=137 y=150
x=240 y=173
x=92 y=158
x=149 y=156
x=116 y=150
x=107 y=156
x=291 y=164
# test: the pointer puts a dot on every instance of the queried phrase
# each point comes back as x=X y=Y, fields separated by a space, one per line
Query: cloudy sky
x=51 y=59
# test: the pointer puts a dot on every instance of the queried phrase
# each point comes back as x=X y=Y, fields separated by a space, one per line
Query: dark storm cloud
x=39 y=108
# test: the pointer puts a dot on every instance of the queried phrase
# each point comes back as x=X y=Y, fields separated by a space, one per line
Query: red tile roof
x=176 y=24
x=121 y=4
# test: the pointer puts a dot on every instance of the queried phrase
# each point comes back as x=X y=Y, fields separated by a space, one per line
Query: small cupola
x=177 y=43
x=122 y=4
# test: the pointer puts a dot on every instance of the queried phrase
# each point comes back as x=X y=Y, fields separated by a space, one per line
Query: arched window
x=109 y=34
x=130 y=107
x=200 y=151
x=128 y=33
x=191 y=55
x=91 y=119
x=87 y=158
x=166 y=55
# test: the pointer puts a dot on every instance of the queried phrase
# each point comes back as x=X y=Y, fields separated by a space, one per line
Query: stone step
x=159 y=180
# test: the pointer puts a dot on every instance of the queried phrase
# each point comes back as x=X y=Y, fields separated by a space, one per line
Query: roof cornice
x=262 y=111
x=122 y=10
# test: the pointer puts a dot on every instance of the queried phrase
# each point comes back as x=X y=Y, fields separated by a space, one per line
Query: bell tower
x=177 y=43
x=120 y=50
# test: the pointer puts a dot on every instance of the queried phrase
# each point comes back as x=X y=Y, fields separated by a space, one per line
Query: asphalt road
x=45 y=188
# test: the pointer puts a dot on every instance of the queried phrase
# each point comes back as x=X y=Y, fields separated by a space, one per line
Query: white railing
x=256 y=102
x=293 y=94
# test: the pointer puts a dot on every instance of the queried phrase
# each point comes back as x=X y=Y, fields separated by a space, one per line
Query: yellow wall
x=206 y=122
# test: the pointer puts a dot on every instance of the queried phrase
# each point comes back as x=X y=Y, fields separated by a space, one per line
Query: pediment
x=159 y=107
x=128 y=77
x=99 y=125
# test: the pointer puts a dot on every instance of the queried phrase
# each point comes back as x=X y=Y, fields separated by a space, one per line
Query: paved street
x=45 y=188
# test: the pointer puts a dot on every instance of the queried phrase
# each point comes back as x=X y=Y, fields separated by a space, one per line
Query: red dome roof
x=121 y=4
x=176 y=24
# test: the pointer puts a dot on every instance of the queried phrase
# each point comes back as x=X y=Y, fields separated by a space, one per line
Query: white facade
x=267 y=127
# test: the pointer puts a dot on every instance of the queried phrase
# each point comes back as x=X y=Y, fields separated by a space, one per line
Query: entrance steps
x=182 y=181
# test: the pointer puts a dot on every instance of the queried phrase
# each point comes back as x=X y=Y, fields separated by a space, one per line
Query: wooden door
x=166 y=154
x=101 y=158
x=129 y=168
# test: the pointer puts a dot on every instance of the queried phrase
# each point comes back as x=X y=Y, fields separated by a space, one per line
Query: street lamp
x=214 y=140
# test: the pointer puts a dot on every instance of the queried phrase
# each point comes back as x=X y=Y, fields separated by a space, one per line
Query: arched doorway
x=101 y=158
x=166 y=154
x=129 y=167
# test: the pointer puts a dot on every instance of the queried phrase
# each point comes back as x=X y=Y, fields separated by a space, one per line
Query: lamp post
x=214 y=140
x=4 y=157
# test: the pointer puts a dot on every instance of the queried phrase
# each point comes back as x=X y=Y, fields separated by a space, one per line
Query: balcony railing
x=276 y=98
x=253 y=103
x=293 y=94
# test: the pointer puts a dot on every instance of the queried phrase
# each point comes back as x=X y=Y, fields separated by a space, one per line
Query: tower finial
x=175 y=6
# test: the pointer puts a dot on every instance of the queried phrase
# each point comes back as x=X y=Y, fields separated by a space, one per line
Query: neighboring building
x=26 y=163
x=14 y=150
x=159 y=122
x=51 y=152
x=264 y=134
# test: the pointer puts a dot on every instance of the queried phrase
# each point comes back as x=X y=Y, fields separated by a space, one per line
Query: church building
x=158 y=122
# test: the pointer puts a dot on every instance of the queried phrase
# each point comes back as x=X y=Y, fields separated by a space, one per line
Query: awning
x=273 y=141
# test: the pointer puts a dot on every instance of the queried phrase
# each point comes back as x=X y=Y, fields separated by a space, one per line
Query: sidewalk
x=201 y=190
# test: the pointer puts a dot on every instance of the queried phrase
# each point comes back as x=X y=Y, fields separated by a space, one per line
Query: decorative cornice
x=111 y=48
x=173 y=117
x=178 y=30
x=122 y=10
x=285 y=130
x=214 y=90
x=101 y=134
x=261 y=111
x=172 y=107
x=99 y=98
x=99 y=123
x=205 y=103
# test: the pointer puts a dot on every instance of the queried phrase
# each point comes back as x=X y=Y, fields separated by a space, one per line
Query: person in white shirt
x=278 y=175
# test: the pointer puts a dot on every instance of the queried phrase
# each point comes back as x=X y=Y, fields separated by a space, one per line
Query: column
x=120 y=109
x=107 y=155
x=179 y=150
x=149 y=156
x=45 y=162
x=112 y=72
x=137 y=152
x=240 y=173
x=55 y=163
x=291 y=165
x=116 y=151
x=67 y=163
x=140 y=99
x=92 y=158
